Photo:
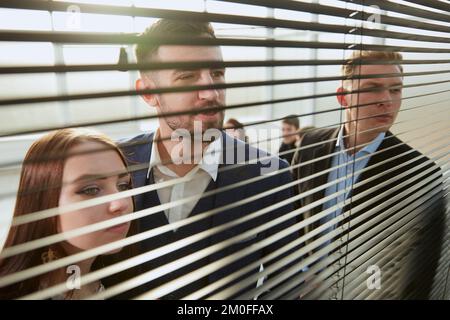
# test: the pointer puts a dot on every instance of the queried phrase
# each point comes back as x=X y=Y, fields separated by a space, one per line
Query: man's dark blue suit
x=230 y=190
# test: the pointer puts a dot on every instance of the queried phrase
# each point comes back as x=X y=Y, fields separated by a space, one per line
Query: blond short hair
x=349 y=69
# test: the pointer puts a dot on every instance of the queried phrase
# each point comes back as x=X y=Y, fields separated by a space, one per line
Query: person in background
x=235 y=129
x=289 y=128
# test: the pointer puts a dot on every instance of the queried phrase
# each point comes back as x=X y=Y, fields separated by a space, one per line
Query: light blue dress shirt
x=351 y=163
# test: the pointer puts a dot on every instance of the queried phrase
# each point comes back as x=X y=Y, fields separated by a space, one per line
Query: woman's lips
x=120 y=228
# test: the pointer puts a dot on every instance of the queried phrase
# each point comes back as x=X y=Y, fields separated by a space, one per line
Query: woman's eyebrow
x=93 y=177
x=124 y=174
x=90 y=177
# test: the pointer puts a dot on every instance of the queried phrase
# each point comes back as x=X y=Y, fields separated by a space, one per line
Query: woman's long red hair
x=39 y=189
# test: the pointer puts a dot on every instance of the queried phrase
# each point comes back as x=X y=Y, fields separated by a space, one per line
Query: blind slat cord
x=365 y=247
x=325 y=284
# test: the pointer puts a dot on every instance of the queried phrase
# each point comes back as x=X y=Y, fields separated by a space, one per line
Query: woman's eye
x=89 y=191
x=124 y=186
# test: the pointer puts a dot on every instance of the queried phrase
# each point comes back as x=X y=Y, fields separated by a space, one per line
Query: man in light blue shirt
x=370 y=179
x=349 y=165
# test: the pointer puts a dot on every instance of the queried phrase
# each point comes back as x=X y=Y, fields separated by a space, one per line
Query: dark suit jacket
x=425 y=240
x=286 y=147
x=137 y=151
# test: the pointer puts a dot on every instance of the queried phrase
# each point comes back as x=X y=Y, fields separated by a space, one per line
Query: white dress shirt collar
x=209 y=162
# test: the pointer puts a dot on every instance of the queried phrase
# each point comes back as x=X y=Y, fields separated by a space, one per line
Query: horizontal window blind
x=319 y=227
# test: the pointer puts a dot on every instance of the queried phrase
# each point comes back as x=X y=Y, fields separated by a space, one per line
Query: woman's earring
x=48 y=256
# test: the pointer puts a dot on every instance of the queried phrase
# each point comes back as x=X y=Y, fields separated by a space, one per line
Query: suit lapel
x=380 y=156
x=319 y=166
x=204 y=204
x=226 y=177
x=315 y=167
x=151 y=199
x=139 y=156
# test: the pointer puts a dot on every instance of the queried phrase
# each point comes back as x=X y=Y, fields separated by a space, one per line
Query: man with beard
x=200 y=175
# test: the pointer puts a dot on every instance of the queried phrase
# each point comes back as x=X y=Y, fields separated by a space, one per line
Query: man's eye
x=186 y=76
x=124 y=186
x=375 y=89
x=397 y=90
x=89 y=191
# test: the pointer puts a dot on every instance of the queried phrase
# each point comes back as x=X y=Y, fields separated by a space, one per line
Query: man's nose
x=384 y=98
x=208 y=94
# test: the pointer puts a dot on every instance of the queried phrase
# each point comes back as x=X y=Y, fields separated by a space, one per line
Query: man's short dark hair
x=145 y=51
x=292 y=120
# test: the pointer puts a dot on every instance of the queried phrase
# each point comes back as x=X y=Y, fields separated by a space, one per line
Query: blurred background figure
x=235 y=129
x=290 y=128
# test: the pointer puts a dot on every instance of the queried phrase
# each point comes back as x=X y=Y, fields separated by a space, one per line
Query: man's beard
x=176 y=123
